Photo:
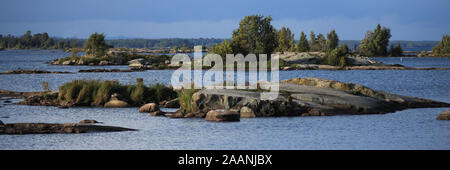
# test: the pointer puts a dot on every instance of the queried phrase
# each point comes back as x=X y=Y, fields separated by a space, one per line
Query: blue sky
x=408 y=19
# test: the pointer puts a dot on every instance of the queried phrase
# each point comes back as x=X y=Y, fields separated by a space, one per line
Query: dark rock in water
x=174 y=115
x=47 y=128
x=88 y=122
x=43 y=99
x=444 y=115
x=7 y=101
x=172 y=104
x=104 y=70
x=308 y=97
x=1 y=124
x=19 y=71
x=222 y=116
x=158 y=113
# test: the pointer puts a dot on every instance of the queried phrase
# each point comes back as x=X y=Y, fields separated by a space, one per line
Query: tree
x=317 y=44
x=222 y=49
x=332 y=40
x=337 y=56
x=443 y=48
x=313 y=41
x=321 y=42
x=303 y=45
x=286 y=40
x=255 y=34
x=375 y=42
x=26 y=39
x=96 y=45
x=396 y=50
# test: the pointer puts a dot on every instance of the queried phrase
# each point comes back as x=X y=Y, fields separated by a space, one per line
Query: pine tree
x=302 y=45
x=332 y=40
x=96 y=45
x=375 y=42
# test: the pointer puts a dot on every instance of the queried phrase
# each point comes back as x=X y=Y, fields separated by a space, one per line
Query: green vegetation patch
x=98 y=92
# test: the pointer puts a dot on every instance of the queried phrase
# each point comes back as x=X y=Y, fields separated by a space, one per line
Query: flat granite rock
x=309 y=97
x=48 y=128
x=444 y=115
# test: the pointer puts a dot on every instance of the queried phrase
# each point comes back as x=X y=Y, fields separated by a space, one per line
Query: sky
x=407 y=19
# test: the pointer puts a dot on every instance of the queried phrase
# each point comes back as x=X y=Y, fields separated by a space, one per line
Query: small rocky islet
x=292 y=60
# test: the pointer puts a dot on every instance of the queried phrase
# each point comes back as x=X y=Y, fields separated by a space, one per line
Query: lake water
x=407 y=129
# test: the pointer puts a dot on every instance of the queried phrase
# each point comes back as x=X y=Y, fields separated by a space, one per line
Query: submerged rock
x=444 y=115
x=222 y=116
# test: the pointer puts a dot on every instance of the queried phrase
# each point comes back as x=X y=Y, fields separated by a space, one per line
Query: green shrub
x=97 y=93
x=185 y=99
x=137 y=95
x=337 y=57
x=104 y=92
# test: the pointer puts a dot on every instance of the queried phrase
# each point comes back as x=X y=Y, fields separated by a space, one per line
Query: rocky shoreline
x=306 y=97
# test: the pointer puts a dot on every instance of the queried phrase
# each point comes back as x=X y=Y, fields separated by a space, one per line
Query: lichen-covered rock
x=116 y=104
x=222 y=116
x=247 y=112
x=152 y=108
x=149 y=107
x=444 y=115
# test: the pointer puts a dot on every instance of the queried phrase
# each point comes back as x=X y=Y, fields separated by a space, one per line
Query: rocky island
x=306 y=97
x=297 y=97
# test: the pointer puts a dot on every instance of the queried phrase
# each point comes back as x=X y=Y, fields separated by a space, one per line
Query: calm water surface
x=408 y=129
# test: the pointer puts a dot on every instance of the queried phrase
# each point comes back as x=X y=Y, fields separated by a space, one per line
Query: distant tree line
x=36 y=41
x=163 y=43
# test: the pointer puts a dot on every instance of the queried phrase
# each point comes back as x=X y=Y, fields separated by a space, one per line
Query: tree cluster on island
x=36 y=41
x=256 y=35
x=443 y=48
